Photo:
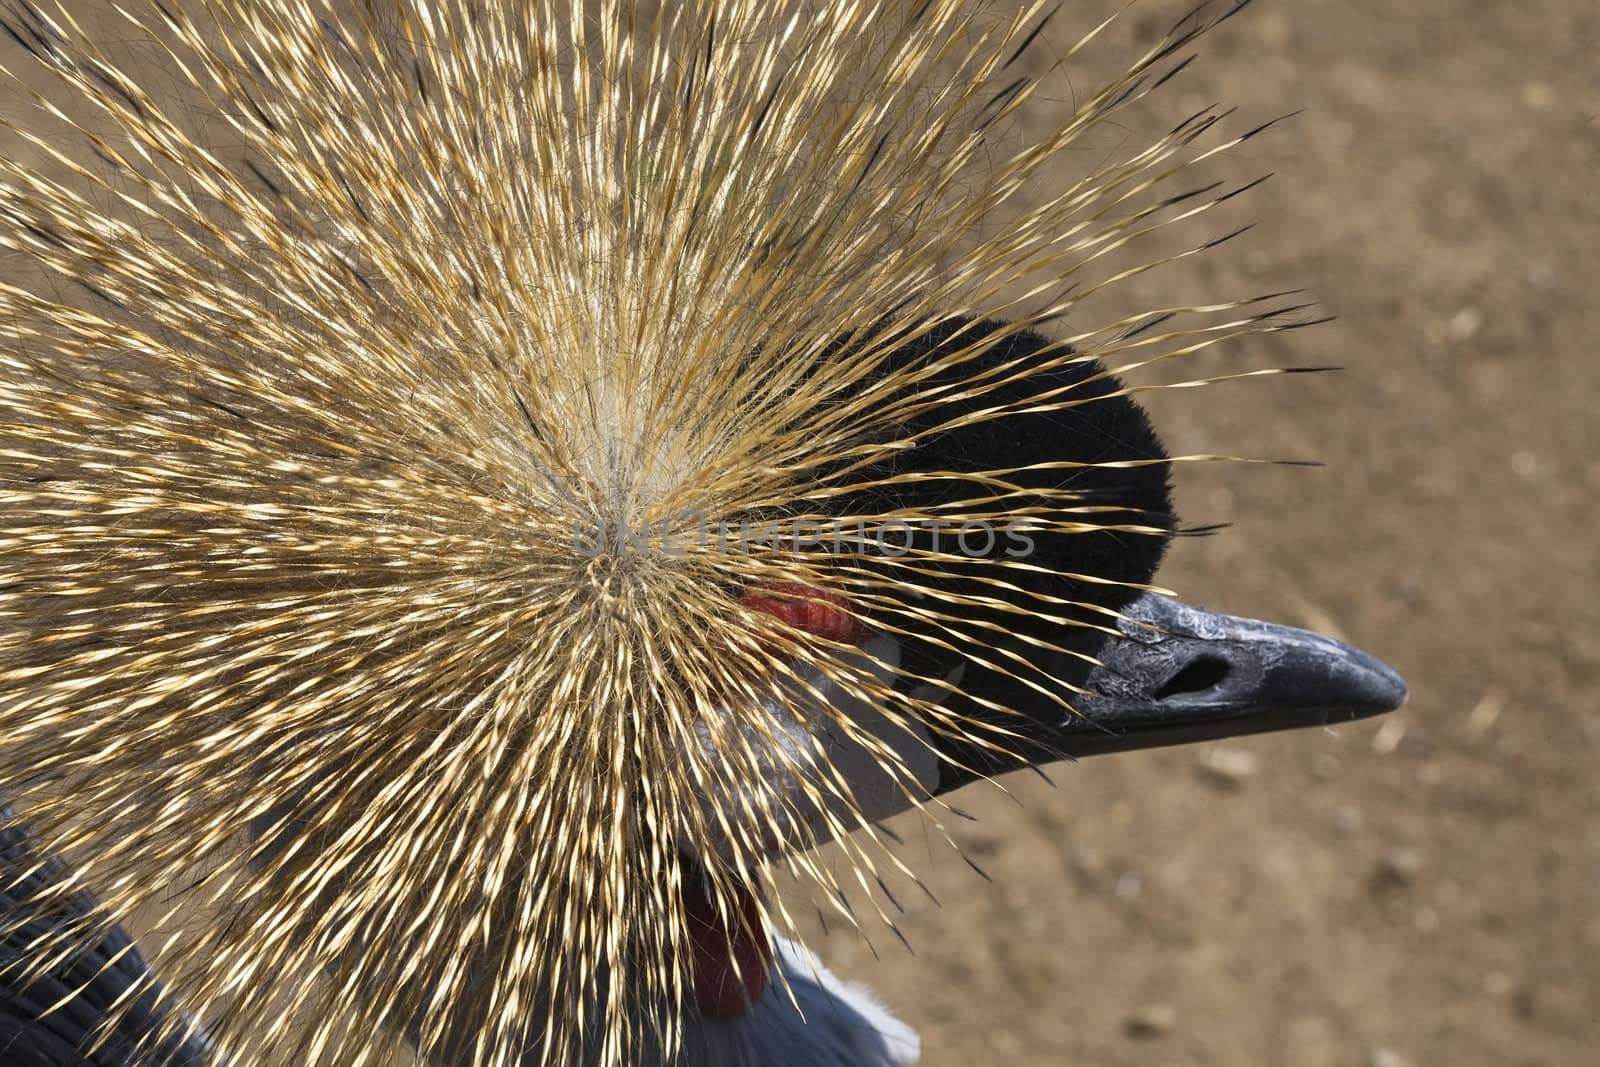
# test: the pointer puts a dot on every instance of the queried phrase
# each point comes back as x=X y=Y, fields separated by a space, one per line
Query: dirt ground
x=1419 y=890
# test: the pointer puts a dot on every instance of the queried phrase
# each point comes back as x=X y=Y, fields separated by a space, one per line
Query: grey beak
x=1181 y=674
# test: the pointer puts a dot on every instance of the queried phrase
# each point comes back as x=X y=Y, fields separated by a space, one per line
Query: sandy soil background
x=1419 y=890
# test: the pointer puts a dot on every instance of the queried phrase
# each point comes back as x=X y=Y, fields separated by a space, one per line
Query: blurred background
x=1420 y=889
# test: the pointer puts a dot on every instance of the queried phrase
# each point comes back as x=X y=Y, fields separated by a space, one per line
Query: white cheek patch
x=878 y=791
x=814 y=752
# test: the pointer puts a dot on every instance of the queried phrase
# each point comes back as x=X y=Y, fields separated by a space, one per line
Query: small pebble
x=1538 y=95
x=1324 y=766
x=1487 y=709
x=1227 y=768
x=1397 y=868
x=1086 y=862
x=1386 y=1057
x=1347 y=820
x=1388 y=736
x=1466 y=323
x=1152 y=1020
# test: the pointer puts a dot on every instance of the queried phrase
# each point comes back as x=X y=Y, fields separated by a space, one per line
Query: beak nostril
x=1198 y=675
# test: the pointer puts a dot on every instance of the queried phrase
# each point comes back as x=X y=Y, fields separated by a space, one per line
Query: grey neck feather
x=807 y=1018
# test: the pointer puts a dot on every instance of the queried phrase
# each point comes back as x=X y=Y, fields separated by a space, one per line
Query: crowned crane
x=1161 y=673
x=346 y=632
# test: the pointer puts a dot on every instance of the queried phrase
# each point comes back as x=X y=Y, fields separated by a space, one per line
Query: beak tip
x=1371 y=687
x=1397 y=693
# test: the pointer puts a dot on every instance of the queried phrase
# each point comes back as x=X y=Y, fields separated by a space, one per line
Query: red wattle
x=815 y=611
x=732 y=953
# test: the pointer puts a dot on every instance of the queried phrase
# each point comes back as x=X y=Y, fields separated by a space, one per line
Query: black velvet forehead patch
x=1100 y=428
